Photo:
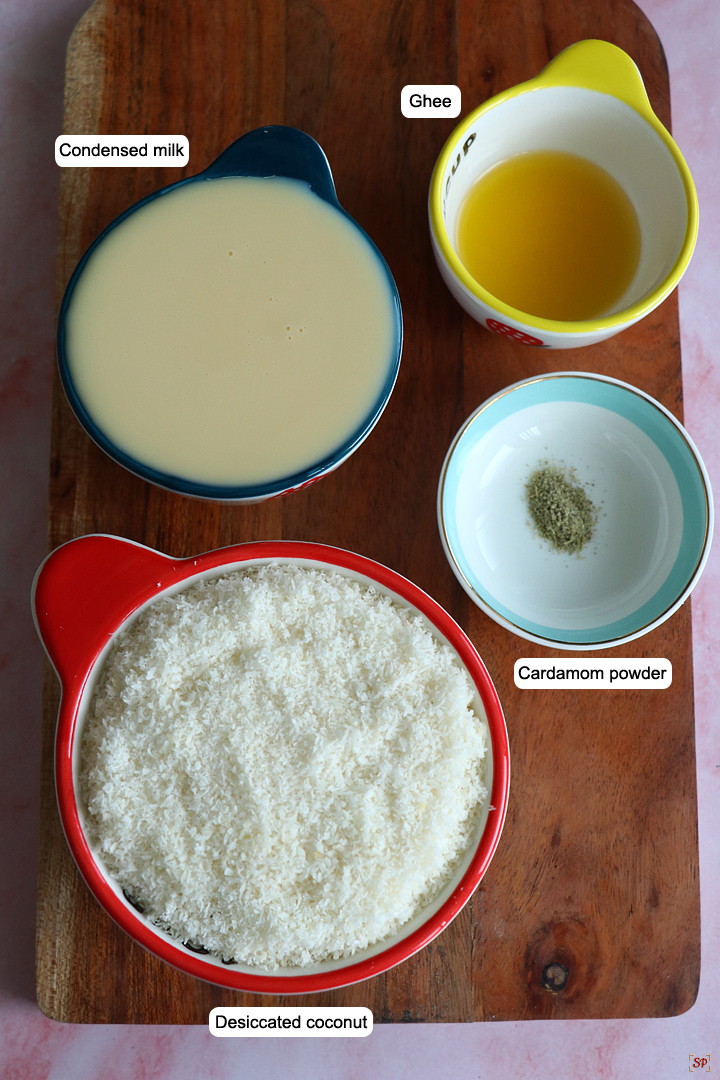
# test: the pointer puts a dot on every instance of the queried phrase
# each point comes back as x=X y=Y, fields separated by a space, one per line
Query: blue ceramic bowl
x=641 y=471
x=265 y=152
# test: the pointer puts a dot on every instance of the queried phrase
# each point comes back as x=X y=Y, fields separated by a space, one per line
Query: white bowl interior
x=601 y=129
x=638 y=532
x=310 y=969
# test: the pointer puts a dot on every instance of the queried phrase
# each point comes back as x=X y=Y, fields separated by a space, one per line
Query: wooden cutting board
x=598 y=865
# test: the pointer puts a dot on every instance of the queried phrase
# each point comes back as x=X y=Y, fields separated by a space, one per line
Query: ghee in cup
x=232 y=331
x=551 y=234
x=593 y=217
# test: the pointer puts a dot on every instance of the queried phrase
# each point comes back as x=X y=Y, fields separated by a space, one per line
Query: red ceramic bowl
x=83 y=594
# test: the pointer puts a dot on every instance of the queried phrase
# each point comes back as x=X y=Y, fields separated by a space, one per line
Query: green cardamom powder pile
x=561 y=511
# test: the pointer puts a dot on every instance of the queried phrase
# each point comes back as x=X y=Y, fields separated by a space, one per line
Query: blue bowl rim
x=246 y=156
x=559 y=642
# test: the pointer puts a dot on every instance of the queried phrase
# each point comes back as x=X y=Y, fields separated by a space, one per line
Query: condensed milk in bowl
x=236 y=335
x=561 y=210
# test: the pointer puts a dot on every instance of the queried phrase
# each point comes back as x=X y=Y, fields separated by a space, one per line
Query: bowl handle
x=599 y=65
x=277 y=151
x=84 y=590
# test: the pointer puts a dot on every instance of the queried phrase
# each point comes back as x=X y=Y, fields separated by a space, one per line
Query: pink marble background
x=33 y=35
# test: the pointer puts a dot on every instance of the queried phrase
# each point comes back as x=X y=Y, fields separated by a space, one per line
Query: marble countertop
x=33 y=36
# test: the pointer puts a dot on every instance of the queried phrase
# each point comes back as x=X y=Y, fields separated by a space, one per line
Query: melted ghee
x=550 y=234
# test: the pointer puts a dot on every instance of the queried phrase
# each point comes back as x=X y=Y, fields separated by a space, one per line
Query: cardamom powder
x=561 y=511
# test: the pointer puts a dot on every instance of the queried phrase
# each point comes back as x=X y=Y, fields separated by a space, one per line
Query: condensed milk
x=232 y=331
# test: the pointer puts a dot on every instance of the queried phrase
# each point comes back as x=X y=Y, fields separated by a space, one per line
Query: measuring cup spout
x=83 y=591
x=601 y=66
x=277 y=151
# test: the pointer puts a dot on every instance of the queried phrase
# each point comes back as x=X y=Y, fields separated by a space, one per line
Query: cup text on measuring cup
x=458 y=158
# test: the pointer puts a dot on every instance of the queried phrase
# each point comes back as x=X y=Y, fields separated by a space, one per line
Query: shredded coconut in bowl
x=282 y=765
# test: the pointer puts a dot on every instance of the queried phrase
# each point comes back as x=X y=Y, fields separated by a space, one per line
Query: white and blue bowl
x=273 y=151
x=644 y=476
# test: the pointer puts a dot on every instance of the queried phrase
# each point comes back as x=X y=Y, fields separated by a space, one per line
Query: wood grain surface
x=598 y=865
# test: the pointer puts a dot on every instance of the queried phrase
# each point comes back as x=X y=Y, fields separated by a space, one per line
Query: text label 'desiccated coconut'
x=350 y=1021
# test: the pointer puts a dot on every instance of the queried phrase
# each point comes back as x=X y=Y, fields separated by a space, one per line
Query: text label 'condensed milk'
x=121 y=151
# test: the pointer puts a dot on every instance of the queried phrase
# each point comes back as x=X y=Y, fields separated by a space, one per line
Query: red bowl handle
x=84 y=590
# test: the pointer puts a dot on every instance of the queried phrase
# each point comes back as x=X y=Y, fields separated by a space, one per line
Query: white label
x=592 y=674
x=349 y=1022
x=121 y=151
x=430 y=100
